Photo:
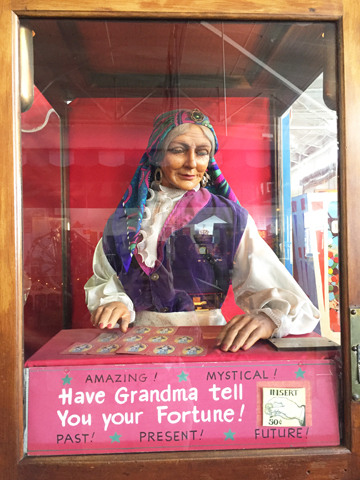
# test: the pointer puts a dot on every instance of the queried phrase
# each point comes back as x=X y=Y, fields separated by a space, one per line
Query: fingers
x=254 y=336
x=106 y=316
x=234 y=333
x=243 y=331
x=125 y=320
x=238 y=320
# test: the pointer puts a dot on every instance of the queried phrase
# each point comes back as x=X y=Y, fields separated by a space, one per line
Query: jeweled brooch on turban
x=197 y=116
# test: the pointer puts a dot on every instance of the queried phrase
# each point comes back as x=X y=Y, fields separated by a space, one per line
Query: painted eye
x=202 y=153
x=176 y=151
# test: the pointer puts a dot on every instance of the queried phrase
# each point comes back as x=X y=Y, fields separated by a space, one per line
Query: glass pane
x=42 y=220
x=180 y=196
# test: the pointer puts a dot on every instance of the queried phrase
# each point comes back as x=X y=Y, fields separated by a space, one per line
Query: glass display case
x=254 y=109
x=245 y=299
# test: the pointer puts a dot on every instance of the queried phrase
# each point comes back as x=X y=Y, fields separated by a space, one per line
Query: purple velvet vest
x=192 y=261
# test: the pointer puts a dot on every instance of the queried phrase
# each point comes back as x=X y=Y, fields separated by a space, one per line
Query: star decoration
x=300 y=373
x=67 y=379
x=115 y=438
x=229 y=435
x=183 y=377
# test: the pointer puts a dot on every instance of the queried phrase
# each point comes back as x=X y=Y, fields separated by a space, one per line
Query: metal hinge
x=355 y=352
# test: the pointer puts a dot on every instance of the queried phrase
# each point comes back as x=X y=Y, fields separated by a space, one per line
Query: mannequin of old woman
x=181 y=162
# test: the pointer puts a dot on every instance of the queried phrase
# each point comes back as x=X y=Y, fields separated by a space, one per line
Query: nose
x=191 y=158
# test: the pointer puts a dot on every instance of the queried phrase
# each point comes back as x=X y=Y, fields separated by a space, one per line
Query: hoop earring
x=158 y=176
x=205 y=180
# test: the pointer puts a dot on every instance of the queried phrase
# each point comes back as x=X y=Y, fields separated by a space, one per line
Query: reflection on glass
x=42 y=219
x=175 y=230
x=311 y=129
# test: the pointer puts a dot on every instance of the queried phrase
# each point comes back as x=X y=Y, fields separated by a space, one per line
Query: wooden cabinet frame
x=319 y=463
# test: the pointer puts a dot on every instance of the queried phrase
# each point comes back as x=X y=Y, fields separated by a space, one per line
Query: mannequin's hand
x=106 y=316
x=243 y=331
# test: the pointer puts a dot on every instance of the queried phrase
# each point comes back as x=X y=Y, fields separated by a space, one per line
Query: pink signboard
x=181 y=406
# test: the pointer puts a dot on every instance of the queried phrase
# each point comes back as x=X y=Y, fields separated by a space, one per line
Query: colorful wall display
x=315 y=248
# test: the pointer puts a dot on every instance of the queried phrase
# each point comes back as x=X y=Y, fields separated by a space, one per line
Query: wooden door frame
x=320 y=463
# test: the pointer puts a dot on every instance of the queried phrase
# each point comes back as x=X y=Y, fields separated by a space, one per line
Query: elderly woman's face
x=186 y=159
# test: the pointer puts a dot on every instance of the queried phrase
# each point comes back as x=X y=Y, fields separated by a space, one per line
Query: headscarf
x=135 y=196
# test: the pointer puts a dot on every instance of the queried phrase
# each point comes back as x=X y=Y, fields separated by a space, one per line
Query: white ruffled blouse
x=261 y=283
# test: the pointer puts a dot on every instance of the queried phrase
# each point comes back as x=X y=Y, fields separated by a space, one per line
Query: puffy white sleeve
x=104 y=286
x=262 y=284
